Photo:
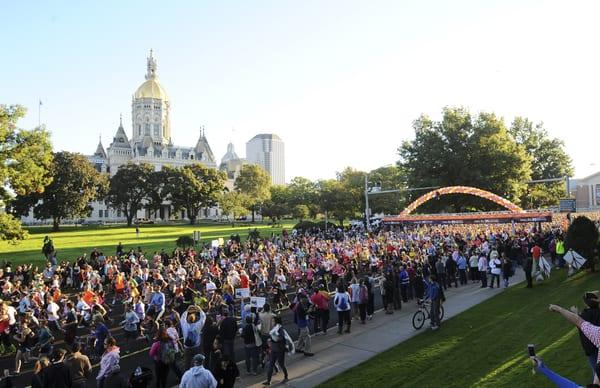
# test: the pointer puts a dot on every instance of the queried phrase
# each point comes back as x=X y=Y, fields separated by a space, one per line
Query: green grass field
x=71 y=242
x=486 y=346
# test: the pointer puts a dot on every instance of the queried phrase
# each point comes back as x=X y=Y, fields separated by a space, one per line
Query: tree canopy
x=467 y=150
x=193 y=187
x=25 y=158
x=128 y=189
x=74 y=184
x=254 y=182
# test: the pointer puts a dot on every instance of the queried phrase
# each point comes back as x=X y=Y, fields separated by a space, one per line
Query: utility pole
x=367 y=202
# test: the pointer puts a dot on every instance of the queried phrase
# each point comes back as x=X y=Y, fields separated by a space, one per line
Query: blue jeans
x=251 y=359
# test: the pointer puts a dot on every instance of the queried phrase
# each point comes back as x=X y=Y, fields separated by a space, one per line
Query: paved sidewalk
x=336 y=353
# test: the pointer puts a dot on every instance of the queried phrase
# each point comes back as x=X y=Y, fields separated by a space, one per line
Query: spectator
x=197 y=376
x=252 y=344
x=301 y=319
x=227 y=373
x=341 y=301
x=192 y=322
x=227 y=331
x=110 y=359
x=80 y=367
x=278 y=348
x=57 y=374
x=38 y=371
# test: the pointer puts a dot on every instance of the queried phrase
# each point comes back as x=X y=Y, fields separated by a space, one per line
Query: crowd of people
x=186 y=304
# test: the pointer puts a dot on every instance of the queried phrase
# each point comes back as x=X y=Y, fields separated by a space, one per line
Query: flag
x=41 y=103
x=575 y=259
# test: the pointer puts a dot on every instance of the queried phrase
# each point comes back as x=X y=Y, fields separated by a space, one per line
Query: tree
x=193 y=187
x=75 y=183
x=465 y=150
x=128 y=189
x=582 y=237
x=25 y=158
x=255 y=183
x=155 y=193
x=336 y=200
x=300 y=212
x=233 y=204
x=277 y=206
x=549 y=160
x=302 y=191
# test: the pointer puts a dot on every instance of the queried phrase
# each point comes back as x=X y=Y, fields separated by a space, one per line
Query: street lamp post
x=367 y=202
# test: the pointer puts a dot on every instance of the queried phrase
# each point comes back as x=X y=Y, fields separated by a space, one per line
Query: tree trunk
x=55 y=224
x=129 y=216
x=192 y=219
x=252 y=214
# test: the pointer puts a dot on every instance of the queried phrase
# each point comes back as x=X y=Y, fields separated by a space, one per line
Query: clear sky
x=339 y=81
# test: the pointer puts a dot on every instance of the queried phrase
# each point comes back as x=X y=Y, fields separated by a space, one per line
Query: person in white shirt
x=53 y=318
x=197 y=376
x=341 y=301
x=354 y=297
x=483 y=267
x=474 y=267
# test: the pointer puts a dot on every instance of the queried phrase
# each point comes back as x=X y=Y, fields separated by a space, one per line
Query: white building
x=150 y=143
x=267 y=151
x=587 y=192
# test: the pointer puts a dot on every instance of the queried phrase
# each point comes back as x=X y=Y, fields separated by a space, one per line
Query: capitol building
x=151 y=143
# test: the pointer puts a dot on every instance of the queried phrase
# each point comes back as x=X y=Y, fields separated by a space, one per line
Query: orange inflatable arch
x=461 y=190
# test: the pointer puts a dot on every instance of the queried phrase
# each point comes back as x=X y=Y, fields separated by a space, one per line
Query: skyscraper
x=267 y=151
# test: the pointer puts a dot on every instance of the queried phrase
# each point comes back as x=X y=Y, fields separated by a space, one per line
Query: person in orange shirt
x=119 y=284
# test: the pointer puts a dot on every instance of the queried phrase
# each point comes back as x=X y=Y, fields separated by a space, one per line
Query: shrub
x=184 y=241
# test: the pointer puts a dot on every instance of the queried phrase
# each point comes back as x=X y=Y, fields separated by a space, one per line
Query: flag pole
x=39 y=113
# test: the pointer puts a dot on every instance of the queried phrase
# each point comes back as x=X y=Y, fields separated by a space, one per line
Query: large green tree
x=336 y=200
x=25 y=158
x=467 y=150
x=254 y=182
x=549 y=160
x=155 y=193
x=193 y=187
x=233 y=204
x=128 y=189
x=75 y=183
x=278 y=205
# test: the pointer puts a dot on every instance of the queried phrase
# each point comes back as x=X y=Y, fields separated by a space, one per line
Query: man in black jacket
x=57 y=375
x=227 y=330
x=590 y=314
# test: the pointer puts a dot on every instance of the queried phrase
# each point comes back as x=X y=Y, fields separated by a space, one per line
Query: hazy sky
x=339 y=81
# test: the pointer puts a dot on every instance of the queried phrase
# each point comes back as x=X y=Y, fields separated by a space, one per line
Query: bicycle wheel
x=441 y=312
x=418 y=319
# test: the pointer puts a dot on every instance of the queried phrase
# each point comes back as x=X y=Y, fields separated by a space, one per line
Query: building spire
x=120 y=119
x=151 y=66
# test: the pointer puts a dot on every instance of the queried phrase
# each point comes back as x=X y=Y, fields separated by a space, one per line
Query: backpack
x=191 y=339
x=342 y=302
x=167 y=353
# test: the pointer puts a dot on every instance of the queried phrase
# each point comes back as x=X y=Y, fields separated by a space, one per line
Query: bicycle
x=422 y=314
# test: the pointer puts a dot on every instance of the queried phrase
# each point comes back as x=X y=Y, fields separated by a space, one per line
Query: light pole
x=367 y=202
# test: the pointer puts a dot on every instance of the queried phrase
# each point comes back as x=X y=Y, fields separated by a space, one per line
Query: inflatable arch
x=461 y=190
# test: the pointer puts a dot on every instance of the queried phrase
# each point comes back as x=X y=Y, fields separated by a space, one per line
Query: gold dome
x=151 y=89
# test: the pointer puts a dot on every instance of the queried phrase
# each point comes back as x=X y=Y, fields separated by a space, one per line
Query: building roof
x=203 y=151
x=268 y=136
x=230 y=154
x=100 y=150
x=151 y=88
x=120 y=140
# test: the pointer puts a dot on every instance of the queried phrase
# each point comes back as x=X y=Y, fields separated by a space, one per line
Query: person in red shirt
x=244 y=280
x=536 y=253
x=320 y=299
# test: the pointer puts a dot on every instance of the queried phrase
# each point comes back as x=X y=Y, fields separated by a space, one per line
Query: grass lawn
x=71 y=241
x=486 y=346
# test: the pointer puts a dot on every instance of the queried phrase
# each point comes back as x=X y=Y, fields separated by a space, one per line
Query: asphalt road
x=135 y=353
